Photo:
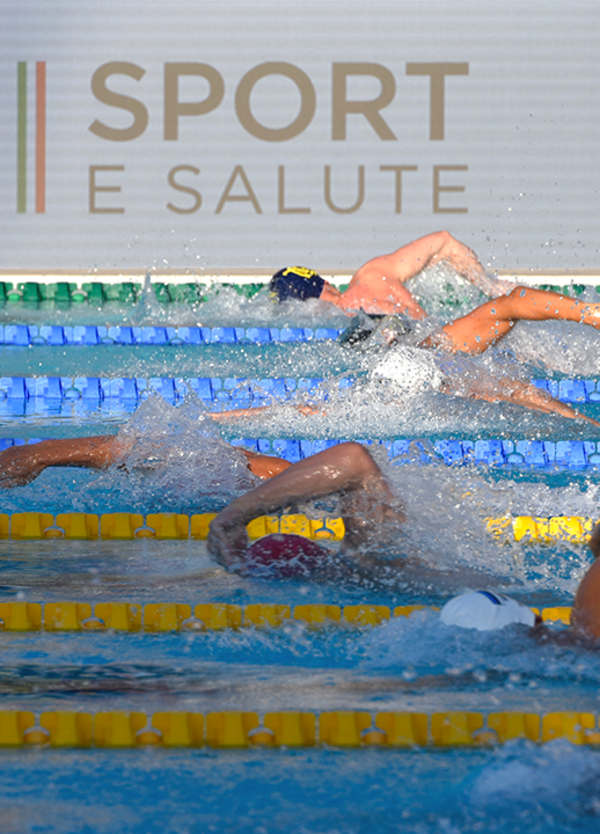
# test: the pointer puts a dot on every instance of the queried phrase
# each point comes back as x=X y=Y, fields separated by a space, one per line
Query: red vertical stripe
x=40 y=137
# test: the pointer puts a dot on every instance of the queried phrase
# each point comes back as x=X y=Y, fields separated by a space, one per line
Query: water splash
x=174 y=460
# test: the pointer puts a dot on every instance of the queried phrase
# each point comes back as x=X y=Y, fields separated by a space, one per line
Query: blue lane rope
x=230 y=392
x=539 y=454
x=24 y=335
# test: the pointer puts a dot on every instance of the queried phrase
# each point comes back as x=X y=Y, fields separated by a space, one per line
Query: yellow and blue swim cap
x=296 y=282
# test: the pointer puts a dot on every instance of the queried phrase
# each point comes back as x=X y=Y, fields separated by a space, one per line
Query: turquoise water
x=407 y=664
x=517 y=788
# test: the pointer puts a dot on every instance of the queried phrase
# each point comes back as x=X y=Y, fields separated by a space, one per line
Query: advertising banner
x=246 y=135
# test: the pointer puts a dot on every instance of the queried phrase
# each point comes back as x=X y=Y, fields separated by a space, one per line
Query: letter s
x=106 y=96
x=187 y=189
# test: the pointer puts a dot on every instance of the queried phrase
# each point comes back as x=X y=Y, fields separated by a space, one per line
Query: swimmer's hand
x=227 y=537
x=19 y=465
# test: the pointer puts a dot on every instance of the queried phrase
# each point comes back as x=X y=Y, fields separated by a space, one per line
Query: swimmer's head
x=287 y=556
x=375 y=330
x=296 y=282
x=360 y=329
x=411 y=370
x=485 y=611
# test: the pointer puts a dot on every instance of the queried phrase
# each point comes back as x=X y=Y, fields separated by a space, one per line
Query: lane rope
x=213 y=616
x=28 y=526
x=349 y=729
x=34 y=288
x=31 y=335
x=537 y=454
x=230 y=392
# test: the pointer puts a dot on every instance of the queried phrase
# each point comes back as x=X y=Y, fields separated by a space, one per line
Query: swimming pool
x=402 y=665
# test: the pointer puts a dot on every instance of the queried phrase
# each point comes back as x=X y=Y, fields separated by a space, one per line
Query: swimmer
x=374 y=527
x=483 y=328
x=486 y=611
x=489 y=611
x=371 y=513
x=372 y=518
x=473 y=334
x=378 y=286
x=412 y=371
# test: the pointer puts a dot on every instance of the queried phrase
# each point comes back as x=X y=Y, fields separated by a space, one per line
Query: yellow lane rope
x=123 y=526
x=293 y=729
x=213 y=616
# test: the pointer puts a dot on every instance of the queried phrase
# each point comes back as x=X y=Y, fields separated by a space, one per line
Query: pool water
x=406 y=664
x=516 y=788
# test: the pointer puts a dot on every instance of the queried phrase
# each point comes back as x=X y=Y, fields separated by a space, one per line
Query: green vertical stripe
x=22 y=136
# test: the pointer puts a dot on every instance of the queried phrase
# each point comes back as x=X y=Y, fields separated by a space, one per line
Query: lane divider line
x=350 y=729
x=524 y=454
x=54 y=335
x=165 y=526
x=213 y=616
x=28 y=526
x=176 y=288
x=236 y=392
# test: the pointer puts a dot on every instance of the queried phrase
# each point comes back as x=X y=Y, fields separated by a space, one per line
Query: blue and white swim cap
x=296 y=282
x=485 y=611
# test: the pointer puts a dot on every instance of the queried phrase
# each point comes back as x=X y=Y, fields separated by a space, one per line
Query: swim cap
x=285 y=555
x=411 y=369
x=296 y=282
x=485 y=611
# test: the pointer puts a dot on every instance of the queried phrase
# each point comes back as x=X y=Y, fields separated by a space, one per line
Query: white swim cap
x=412 y=369
x=485 y=611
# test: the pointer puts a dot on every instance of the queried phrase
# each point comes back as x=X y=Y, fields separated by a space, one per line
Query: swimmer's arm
x=266 y=410
x=345 y=467
x=520 y=393
x=411 y=259
x=233 y=413
x=19 y=465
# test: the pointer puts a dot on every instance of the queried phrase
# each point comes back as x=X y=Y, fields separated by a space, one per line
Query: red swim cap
x=283 y=555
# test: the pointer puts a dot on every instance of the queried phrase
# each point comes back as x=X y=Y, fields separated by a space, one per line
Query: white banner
x=215 y=135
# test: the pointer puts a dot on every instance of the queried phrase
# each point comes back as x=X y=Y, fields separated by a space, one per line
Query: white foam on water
x=523 y=773
x=568 y=348
x=176 y=457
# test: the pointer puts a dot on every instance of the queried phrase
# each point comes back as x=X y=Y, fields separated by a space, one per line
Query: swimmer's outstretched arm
x=487 y=324
x=345 y=468
x=264 y=410
x=21 y=464
x=510 y=390
x=517 y=392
